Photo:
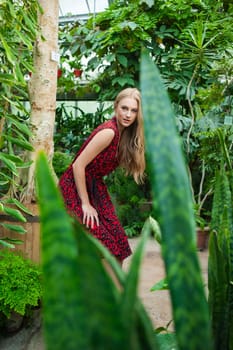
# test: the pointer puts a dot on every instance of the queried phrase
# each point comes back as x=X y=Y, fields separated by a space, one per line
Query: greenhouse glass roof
x=81 y=7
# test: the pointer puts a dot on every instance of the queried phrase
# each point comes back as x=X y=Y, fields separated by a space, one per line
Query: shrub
x=61 y=161
x=20 y=283
x=129 y=199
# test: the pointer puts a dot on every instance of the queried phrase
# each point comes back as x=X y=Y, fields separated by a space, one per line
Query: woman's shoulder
x=109 y=124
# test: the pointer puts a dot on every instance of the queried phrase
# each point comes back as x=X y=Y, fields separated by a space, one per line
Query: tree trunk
x=42 y=90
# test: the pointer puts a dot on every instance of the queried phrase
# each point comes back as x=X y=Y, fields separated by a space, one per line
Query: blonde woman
x=117 y=142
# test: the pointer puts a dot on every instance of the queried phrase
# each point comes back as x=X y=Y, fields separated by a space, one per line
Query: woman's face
x=126 y=112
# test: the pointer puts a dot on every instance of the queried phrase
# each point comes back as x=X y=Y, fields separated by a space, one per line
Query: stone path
x=156 y=303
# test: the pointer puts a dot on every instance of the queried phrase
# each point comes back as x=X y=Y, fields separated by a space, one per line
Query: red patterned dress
x=109 y=232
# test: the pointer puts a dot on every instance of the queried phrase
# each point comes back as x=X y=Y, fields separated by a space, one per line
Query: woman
x=117 y=142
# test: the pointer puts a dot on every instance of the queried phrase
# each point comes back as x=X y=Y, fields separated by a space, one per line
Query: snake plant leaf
x=171 y=188
x=83 y=308
x=220 y=255
x=218 y=293
x=61 y=302
x=100 y=297
x=129 y=293
x=222 y=198
x=142 y=337
x=80 y=304
x=167 y=341
x=231 y=271
x=142 y=324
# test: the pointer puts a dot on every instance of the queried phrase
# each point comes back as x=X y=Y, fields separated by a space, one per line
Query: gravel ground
x=156 y=303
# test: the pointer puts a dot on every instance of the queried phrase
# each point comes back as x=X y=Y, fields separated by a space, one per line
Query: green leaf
x=28 y=66
x=123 y=60
x=21 y=126
x=129 y=299
x=6 y=244
x=10 y=242
x=3 y=183
x=12 y=10
x=82 y=306
x=9 y=53
x=8 y=163
x=19 y=205
x=155 y=228
x=130 y=24
x=19 y=74
x=22 y=143
x=7 y=78
x=25 y=39
x=13 y=158
x=167 y=341
x=16 y=228
x=142 y=323
x=123 y=81
x=31 y=26
x=171 y=188
x=218 y=293
x=6 y=177
x=219 y=263
x=161 y=285
x=71 y=314
x=15 y=214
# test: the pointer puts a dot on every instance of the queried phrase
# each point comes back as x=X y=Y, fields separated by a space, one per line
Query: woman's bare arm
x=98 y=143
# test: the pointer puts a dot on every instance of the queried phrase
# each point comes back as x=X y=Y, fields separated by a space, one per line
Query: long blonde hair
x=131 y=146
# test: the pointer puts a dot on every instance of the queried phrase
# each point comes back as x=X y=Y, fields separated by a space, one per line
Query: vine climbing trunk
x=42 y=89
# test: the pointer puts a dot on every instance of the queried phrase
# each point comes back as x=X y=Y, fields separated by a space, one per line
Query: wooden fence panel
x=31 y=239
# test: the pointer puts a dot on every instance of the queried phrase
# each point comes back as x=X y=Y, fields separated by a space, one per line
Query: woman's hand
x=90 y=216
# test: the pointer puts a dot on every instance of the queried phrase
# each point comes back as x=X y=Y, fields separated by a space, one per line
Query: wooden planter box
x=31 y=239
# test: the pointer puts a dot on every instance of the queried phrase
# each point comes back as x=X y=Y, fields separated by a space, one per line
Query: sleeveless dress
x=109 y=232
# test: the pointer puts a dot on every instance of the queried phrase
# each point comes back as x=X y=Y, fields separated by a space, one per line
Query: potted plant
x=202 y=229
x=202 y=235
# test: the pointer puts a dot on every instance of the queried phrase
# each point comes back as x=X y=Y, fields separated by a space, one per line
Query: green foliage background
x=191 y=43
x=18 y=32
